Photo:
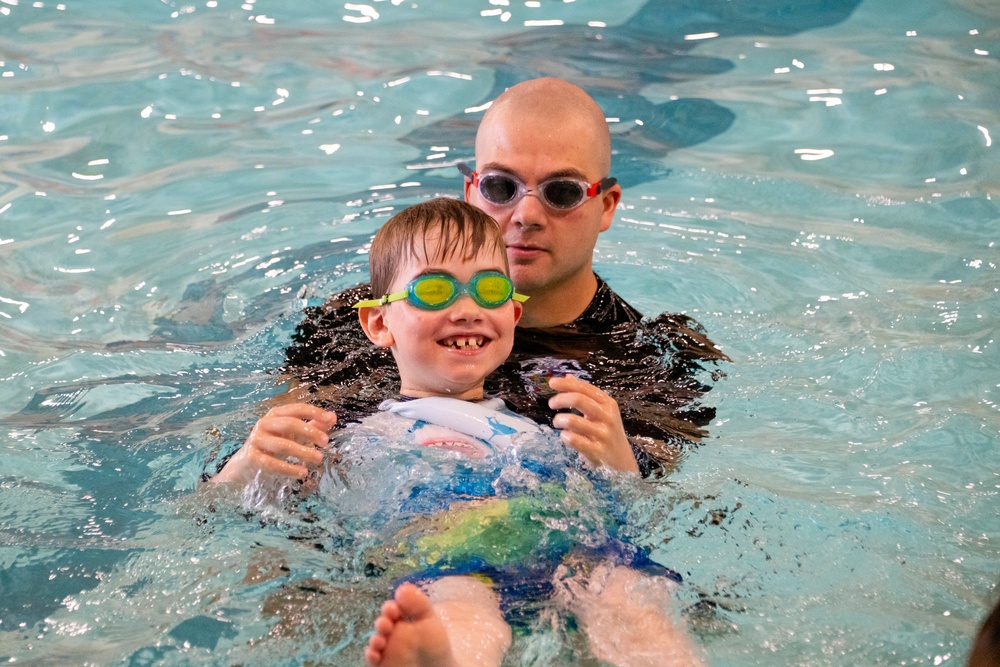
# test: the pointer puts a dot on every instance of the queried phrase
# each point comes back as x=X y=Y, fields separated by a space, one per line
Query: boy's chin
x=463 y=380
x=462 y=389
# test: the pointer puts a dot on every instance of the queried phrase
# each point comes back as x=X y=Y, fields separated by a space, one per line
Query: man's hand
x=294 y=431
x=596 y=432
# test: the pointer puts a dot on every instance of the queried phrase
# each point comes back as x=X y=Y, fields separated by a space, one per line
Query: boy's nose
x=465 y=309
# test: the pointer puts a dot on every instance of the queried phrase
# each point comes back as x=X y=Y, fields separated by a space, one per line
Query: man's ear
x=375 y=327
x=610 y=201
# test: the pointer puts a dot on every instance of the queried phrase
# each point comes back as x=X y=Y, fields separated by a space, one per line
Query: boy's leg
x=457 y=623
x=625 y=615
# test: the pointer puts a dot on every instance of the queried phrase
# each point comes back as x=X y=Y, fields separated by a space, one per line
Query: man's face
x=548 y=249
x=449 y=351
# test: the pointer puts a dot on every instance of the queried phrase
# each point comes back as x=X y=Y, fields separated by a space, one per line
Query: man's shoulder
x=323 y=324
x=607 y=308
x=684 y=337
x=329 y=348
x=339 y=306
x=682 y=334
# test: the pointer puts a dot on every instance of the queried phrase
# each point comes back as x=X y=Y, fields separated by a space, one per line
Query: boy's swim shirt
x=508 y=503
x=437 y=496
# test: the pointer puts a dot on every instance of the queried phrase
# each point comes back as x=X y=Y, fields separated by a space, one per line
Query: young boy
x=447 y=313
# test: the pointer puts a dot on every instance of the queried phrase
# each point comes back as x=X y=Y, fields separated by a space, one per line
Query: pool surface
x=812 y=181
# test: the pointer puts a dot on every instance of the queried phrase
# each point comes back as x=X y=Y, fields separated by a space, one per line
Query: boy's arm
x=286 y=442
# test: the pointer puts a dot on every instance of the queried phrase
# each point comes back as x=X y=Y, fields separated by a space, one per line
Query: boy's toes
x=413 y=602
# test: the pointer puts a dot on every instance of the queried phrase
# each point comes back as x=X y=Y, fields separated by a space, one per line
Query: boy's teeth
x=466 y=342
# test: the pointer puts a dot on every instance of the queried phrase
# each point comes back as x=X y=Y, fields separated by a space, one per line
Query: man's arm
x=659 y=392
x=656 y=370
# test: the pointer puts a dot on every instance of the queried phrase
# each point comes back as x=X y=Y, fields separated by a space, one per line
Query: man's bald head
x=556 y=104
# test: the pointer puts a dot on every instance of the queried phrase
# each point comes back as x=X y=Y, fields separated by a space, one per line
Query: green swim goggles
x=434 y=291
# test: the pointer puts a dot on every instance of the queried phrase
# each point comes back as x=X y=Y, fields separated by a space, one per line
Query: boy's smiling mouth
x=464 y=342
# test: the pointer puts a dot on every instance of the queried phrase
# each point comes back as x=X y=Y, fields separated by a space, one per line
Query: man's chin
x=527 y=279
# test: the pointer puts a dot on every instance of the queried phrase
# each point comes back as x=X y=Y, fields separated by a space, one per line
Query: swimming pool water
x=813 y=182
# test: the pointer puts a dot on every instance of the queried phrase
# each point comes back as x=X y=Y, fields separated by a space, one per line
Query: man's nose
x=529 y=211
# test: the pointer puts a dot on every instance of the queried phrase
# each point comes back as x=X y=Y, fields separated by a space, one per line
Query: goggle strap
x=381 y=301
x=602 y=185
x=468 y=173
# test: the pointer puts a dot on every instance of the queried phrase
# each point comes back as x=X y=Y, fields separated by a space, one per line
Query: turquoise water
x=812 y=182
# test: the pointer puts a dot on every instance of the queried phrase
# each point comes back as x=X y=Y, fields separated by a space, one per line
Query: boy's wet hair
x=462 y=230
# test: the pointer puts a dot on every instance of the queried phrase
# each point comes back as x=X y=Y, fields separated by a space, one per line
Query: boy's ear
x=518 y=310
x=375 y=327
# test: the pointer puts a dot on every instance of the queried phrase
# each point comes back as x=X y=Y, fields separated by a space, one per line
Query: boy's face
x=447 y=352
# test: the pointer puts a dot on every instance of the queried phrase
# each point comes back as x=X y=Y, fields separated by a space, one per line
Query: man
x=543 y=152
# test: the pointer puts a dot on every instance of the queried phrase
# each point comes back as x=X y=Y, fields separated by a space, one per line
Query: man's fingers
x=576 y=394
x=273 y=466
x=304 y=411
x=283 y=448
x=567 y=421
x=596 y=432
x=289 y=438
x=587 y=448
x=569 y=383
x=585 y=405
x=578 y=432
x=294 y=429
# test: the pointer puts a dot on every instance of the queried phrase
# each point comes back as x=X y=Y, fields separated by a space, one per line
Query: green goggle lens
x=494 y=289
x=432 y=290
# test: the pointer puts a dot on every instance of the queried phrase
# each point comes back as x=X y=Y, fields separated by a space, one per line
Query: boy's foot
x=409 y=633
